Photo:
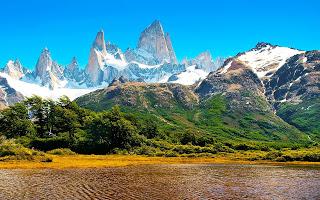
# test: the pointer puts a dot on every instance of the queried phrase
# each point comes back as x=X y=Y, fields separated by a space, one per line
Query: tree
x=38 y=112
x=121 y=129
x=15 y=122
x=150 y=128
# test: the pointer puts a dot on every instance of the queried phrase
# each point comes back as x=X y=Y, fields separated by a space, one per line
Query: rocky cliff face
x=298 y=79
x=96 y=59
x=153 y=41
x=115 y=51
x=47 y=71
x=287 y=80
x=76 y=77
x=172 y=54
x=153 y=60
x=239 y=84
x=8 y=95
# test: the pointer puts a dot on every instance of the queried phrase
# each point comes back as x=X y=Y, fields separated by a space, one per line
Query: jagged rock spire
x=73 y=65
x=48 y=71
x=172 y=54
x=14 y=69
x=153 y=41
x=96 y=59
x=99 y=42
x=44 y=63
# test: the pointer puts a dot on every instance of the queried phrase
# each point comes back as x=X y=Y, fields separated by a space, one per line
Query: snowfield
x=29 y=89
x=190 y=76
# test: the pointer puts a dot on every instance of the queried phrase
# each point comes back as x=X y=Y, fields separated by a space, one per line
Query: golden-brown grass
x=98 y=161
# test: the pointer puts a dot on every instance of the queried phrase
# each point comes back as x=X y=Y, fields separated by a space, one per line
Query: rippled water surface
x=163 y=182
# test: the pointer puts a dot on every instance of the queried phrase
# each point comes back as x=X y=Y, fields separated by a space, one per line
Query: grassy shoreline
x=102 y=161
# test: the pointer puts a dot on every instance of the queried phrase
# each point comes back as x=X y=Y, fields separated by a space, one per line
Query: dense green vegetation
x=212 y=120
x=305 y=116
x=63 y=128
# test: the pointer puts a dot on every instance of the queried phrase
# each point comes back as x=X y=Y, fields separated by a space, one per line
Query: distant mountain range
x=153 y=60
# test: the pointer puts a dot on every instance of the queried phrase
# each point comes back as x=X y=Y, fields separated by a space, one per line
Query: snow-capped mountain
x=76 y=77
x=287 y=75
x=265 y=59
x=48 y=72
x=15 y=69
x=153 y=60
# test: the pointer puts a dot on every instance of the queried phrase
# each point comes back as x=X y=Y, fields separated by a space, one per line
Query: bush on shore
x=61 y=152
x=10 y=150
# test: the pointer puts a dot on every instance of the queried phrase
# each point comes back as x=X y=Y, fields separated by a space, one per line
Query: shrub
x=280 y=159
x=170 y=154
x=273 y=155
x=244 y=147
x=10 y=150
x=145 y=150
x=184 y=149
x=312 y=157
x=61 y=152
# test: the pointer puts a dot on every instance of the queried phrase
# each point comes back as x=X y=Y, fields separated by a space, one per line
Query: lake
x=174 y=181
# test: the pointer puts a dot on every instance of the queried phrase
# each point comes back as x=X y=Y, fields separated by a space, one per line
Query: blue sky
x=224 y=27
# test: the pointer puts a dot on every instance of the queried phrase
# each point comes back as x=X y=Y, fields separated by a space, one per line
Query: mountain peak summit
x=261 y=45
x=99 y=42
x=154 y=41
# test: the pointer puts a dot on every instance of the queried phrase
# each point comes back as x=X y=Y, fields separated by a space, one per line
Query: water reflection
x=163 y=182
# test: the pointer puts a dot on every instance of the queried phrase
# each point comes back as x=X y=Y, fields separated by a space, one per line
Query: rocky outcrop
x=296 y=80
x=8 y=95
x=76 y=77
x=47 y=71
x=265 y=59
x=240 y=85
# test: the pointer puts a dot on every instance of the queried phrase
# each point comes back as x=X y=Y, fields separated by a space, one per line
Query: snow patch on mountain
x=268 y=59
x=189 y=76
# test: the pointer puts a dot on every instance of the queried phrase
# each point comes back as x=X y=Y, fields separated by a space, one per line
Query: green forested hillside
x=213 y=119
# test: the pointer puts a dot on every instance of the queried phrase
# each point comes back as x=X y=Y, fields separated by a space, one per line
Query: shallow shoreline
x=102 y=161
